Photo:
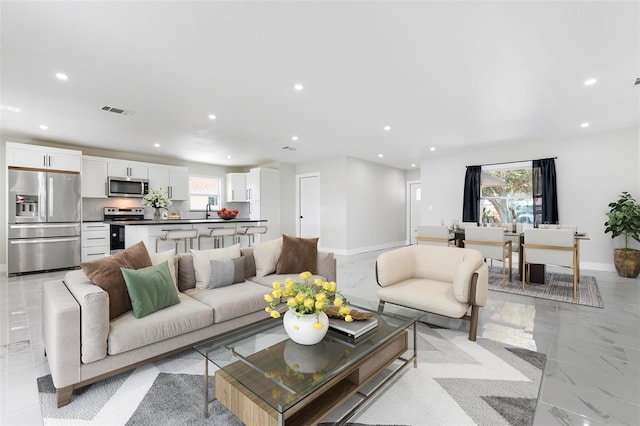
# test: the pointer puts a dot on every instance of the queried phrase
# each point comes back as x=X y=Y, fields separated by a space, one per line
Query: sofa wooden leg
x=381 y=306
x=63 y=395
x=473 y=326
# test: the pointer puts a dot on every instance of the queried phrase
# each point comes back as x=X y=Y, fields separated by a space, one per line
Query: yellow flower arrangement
x=307 y=298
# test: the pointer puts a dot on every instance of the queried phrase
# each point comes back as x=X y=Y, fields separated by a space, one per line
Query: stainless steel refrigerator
x=44 y=220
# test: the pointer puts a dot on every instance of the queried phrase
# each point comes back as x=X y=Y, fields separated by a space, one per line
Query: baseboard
x=595 y=266
x=358 y=250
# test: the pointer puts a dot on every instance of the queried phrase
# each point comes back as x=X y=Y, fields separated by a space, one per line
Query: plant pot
x=627 y=262
x=301 y=330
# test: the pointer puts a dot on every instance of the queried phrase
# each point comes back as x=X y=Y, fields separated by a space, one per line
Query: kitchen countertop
x=182 y=221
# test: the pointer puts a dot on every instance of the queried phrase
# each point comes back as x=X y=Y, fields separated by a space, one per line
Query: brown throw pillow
x=298 y=255
x=106 y=274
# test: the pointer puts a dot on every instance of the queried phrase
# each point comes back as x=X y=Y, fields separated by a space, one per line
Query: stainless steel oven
x=117 y=237
x=118 y=218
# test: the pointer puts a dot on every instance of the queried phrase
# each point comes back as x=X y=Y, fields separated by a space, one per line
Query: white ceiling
x=442 y=74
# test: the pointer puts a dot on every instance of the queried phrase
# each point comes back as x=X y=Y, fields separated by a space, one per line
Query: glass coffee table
x=265 y=378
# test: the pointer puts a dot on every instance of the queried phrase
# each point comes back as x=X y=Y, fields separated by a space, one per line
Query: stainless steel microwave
x=127 y=187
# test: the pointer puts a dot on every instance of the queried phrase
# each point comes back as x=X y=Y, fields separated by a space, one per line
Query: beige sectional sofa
x=83 y=346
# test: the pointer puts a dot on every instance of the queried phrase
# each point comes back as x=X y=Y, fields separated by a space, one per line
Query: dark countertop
x=183 y=221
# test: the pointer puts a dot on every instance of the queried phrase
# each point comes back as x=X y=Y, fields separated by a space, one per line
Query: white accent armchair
x=447 y=281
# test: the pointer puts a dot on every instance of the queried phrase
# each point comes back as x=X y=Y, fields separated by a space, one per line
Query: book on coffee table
x=352 y=329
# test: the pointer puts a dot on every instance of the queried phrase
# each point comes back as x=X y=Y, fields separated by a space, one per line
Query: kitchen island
x=149 y=230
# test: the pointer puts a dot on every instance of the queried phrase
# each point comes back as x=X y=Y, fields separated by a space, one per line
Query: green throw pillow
x=150 y=289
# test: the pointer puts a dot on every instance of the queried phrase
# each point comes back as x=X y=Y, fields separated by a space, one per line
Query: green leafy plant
x=624 y=219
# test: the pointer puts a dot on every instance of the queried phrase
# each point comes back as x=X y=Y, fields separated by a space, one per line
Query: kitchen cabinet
x=236 y=187
x=43 y=157
x=94 y=177
x=130 y=169
x=267 y=206
x=95 y=240
x=253 y=184
x=173 y=180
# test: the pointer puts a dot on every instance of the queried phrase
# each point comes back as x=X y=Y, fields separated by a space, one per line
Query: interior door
x=415 y=198
x=309 y=206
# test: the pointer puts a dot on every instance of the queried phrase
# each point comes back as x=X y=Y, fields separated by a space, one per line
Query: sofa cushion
x=202 y=259
x=269 y=279
x=298 y=255
x=150 y=289
x=426 y=295
x=231 y=301
x=128 y=332
x=227 y=272
x=250 y=264
x=106 y=274
x=94 y=315
x=186 y=272
x=170 y=257
x=266 y=256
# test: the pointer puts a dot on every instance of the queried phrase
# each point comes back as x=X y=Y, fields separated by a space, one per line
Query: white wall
x=287 y=198
x=362 y=204
x=591 y=172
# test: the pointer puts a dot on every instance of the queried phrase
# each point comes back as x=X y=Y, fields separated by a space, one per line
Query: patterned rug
x=457 y=382
x=557 y=287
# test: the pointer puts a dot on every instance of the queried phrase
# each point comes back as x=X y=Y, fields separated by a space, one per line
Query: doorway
x=413 y=209
x=308 y=205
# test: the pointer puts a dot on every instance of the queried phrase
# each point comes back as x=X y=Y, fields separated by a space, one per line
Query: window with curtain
x=203 y=191
x=506 y=193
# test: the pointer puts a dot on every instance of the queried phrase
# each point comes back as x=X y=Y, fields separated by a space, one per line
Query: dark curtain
x=471 y=201
x=545 y=195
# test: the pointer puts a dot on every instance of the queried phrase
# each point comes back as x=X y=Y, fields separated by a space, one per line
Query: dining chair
x=465 y=225
x=550 y=247
x=492 y=243
x=434 y=235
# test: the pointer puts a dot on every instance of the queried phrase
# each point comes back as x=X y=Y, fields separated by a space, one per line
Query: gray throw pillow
x=227 y=272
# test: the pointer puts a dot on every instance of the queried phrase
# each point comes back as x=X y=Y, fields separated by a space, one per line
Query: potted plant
x=624 y=219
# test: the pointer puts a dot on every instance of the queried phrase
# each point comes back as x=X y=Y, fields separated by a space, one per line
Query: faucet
x=207 y=211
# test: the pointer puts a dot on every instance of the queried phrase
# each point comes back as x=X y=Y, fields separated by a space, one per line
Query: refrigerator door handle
x=43 y=240
x=50 y=198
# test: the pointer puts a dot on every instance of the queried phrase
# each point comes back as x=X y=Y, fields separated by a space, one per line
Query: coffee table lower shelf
x=250 y=409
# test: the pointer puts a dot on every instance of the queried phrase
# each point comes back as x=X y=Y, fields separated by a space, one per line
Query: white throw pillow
x=170 y=257
x=266 y=256
x=202 y=262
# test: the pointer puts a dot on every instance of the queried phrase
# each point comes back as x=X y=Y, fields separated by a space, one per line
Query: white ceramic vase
x=301 y=330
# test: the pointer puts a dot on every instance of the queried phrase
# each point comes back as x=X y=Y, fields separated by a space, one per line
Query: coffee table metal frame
x=227 y=343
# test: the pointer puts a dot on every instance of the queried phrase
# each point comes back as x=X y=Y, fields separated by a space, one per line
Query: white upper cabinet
x=253 y=185
x=173 y=180
x=236 y=187
x=130 y=169
x=94 y=177
x=42 y=157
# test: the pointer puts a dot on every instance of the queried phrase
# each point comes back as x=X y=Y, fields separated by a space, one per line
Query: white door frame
x=298 y=177
x=409 y=200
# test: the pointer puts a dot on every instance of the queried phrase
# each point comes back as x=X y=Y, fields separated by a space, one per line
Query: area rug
x=456 y=382
x=557 y=287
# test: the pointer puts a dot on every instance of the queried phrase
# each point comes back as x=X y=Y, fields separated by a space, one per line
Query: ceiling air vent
x=289 y=148
x=637 y=81
x=117 y=110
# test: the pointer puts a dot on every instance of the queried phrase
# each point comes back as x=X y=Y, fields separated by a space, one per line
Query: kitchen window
x=506 y=193
x=204 y=190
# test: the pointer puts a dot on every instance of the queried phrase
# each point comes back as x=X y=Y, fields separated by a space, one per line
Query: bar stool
x=218 y=235
x=177 y=235
x=250 y=232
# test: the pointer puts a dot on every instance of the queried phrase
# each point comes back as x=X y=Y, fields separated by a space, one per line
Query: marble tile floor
x=592 y=374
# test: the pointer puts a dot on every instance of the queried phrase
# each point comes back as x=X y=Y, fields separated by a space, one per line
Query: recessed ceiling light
x=294 y=138
x=584 y=125
x=298 y=87
x=433 y=148
x=590 y=81
x=44 y=127
x=380 y=155
x=413 y=165
x=228 y=157
x=387 y=128
x=157 y=145
x=212 y=117
x=61 y=76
